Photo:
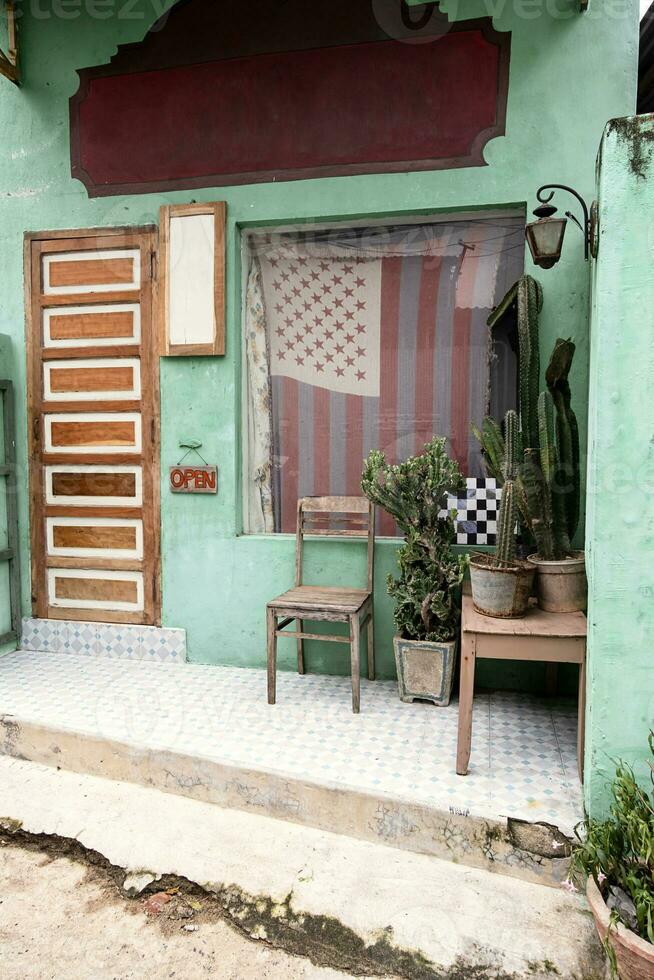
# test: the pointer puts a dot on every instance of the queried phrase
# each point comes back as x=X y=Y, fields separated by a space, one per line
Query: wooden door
x=93 y=398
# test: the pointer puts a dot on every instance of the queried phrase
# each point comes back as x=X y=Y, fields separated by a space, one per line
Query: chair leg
x=355 y=630
x=271 y=629
x=371 y=648
x=300 y=648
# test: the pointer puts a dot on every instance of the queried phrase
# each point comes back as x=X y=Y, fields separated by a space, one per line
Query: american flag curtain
x=374 y=339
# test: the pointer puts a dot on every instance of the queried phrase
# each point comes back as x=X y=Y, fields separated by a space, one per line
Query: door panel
x=92 y=326
x=83 y=591
x=93 y=486
x=92 y=432
x=97 y=378
x=91 y=271
x=94 y=402
x=81 y=537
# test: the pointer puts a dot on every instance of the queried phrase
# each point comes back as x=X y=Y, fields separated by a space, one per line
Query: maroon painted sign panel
x=380 y=106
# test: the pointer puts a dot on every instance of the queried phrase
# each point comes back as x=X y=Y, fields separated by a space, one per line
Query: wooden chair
x=331 y=604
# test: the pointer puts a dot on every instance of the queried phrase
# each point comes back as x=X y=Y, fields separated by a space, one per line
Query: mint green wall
x=8 y=371
x=569 y=74
x=620 y=523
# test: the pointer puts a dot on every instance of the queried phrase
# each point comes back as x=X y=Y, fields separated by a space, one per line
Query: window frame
x=392 y=219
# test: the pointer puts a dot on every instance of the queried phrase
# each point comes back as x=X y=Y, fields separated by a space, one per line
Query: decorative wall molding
x=235 y=93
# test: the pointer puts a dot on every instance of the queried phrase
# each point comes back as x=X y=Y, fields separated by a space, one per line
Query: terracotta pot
x=561 y=585
x=502 y=593
x=635 y=956
x=425 y=669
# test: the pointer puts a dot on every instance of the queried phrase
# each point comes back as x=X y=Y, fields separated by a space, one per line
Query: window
x=369 y=337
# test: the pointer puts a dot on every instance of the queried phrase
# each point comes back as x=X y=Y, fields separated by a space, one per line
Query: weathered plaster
x=216 y=581
x=620 y=523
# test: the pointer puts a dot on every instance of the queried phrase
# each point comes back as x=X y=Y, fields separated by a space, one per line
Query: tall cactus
x=505 y=552
x=535 y=490
x=552 y=488
x=553 y=509
x=530 y=302
x=567 y=432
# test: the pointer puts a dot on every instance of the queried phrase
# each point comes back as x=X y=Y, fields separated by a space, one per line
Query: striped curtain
x=374 y=339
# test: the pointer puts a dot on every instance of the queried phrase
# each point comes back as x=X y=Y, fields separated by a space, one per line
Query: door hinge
x=153 y=429
x=153 y=265
x=36 y=429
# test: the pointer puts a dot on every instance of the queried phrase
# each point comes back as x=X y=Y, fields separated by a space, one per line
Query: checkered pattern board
x=477 y=511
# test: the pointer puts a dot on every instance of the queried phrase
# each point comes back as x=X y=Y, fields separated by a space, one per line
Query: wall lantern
x=545 y=236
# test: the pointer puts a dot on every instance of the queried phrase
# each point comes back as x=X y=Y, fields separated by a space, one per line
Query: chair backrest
x=335 y=517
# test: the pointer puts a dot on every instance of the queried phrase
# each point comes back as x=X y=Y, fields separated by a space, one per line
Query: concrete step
x=345 y=903
x=70 y=714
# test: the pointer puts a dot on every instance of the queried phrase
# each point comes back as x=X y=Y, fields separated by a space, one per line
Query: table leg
x=271 y=629
x=466 y=695
x=581 y=723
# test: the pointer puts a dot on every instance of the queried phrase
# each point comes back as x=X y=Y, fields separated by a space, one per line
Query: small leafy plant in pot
x=617 y=856
x=501 y=584
x=427 y=592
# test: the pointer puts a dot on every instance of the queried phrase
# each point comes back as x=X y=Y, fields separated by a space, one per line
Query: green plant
x=567 y=430
x=491 y=440
x=529 y=298
x=427 y=592
x=506 y=543
x=550 y=471
x=619 y=853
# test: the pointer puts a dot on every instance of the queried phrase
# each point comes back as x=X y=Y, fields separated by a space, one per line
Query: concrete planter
x=561 y=585
x=502 y=593
x=634 y=956
x=425 y=670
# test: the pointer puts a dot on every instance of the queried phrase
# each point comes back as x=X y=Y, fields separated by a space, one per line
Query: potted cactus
x=550 y=478
x=501 y=584
x=427 y=592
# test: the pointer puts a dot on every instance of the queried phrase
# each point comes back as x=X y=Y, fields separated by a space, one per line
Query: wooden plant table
x=555 y=638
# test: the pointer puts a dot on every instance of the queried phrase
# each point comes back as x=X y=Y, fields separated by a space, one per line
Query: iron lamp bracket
x=588 y=228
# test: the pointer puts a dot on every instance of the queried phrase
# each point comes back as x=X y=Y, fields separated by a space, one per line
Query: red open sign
x=194 y=479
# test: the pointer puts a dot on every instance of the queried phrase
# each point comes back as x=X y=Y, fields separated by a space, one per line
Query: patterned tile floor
x=523 y=761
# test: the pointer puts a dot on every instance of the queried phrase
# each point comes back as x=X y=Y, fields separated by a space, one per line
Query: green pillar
x=620 y=505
